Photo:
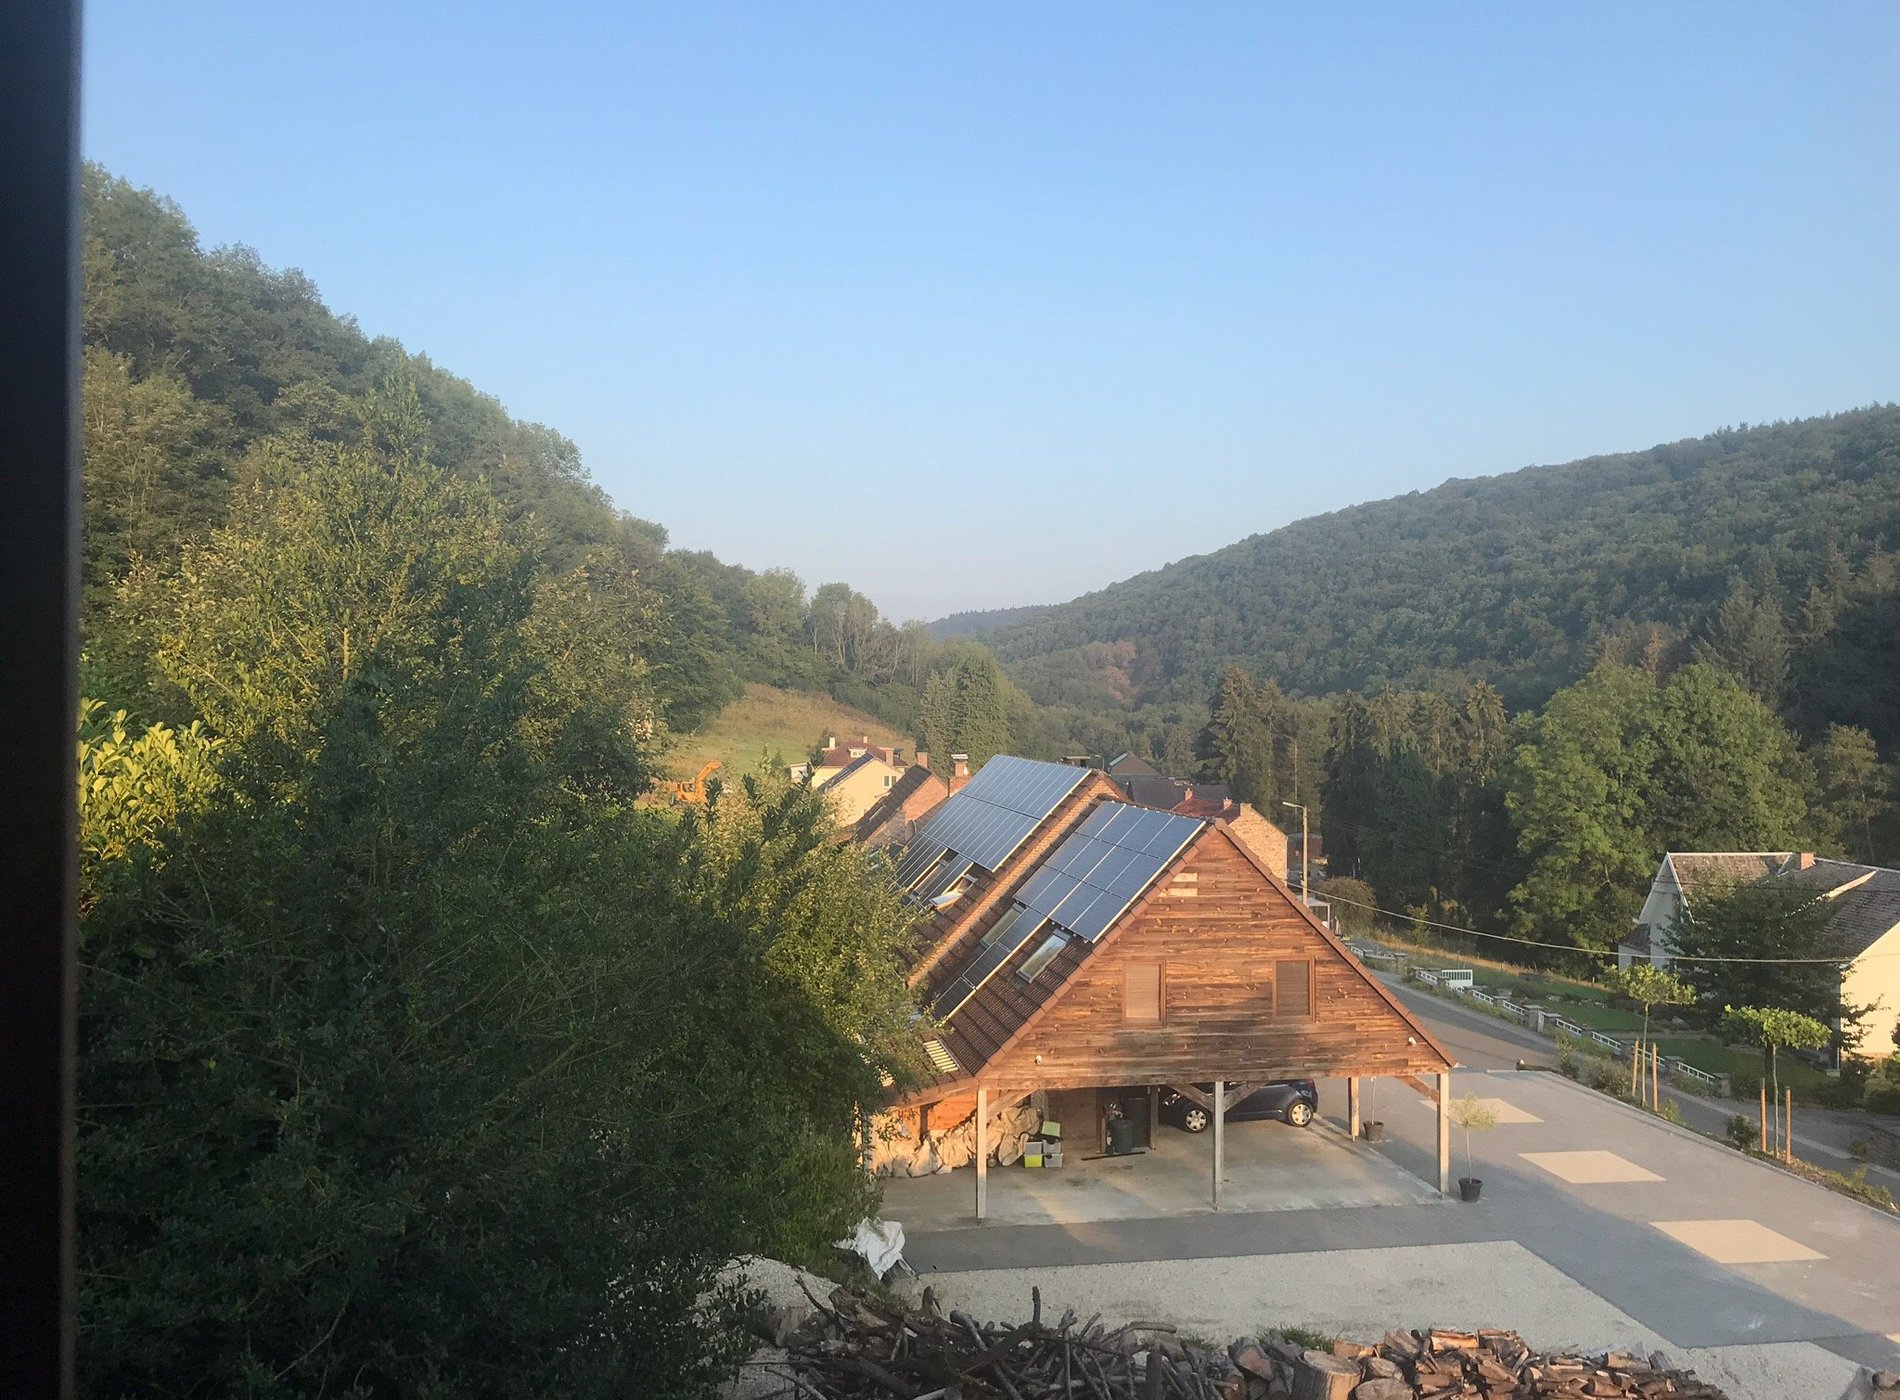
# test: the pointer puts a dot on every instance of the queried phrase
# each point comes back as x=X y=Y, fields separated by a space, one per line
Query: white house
x=1867 y=918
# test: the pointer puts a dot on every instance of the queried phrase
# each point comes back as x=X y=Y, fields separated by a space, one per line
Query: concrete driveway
x=1269 y=1167
x=1598 y=1224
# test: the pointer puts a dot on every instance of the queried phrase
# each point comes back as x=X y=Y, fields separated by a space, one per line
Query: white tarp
x=880 y=1243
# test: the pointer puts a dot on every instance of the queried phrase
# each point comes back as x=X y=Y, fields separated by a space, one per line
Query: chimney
x=897 y=756
x=959 y=770
x=1804 y=861
x=831 y=741
x=923 y=759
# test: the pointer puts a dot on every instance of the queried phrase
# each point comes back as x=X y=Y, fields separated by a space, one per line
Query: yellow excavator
x=693 y=794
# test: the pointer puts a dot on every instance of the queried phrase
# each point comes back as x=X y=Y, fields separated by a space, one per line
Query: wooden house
x=1077 y=943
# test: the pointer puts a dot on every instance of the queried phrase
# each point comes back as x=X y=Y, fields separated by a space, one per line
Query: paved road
x=1484 y=1042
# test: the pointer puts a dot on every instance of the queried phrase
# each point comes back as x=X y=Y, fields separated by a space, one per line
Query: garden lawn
x=1745 y=1060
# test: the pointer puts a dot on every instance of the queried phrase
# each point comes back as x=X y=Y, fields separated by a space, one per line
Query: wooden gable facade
x=1217 y=971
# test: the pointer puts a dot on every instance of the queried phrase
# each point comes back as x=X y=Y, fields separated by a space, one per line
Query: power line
x=1587 y=952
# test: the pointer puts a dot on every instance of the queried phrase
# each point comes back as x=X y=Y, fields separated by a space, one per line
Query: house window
x=887 y=780
x=1141 y=994
x=1042 y=957
x=1293 y=988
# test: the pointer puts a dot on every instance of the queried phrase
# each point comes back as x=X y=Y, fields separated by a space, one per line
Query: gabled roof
x=1152 y=789
x=1866 y=897
x=891 y=804
x=1126 y=765
x=978 y=1031
x=981 y=883
x=1701 y=868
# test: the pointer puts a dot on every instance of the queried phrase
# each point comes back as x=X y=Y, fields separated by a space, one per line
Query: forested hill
x=202 y=362
x=1523 y=579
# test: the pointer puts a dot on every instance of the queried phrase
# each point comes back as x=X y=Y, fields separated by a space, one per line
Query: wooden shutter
x=1293 y=988
x=1141 y=994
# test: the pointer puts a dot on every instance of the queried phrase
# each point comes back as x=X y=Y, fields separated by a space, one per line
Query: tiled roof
x=1695 y=869
x=1636 y=942
x=1128 y=766
x=1867 y=905
x=1153 y=790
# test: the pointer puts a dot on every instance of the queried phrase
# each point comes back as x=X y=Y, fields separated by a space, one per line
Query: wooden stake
x=1788 y=1118
x=1655 y=1077
x=1636 y=1060
x=1764 y=1118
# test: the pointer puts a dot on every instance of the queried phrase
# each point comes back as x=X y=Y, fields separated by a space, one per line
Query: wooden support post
x=1352 y=1107
x=1764 y=1118
x=1655 y=1077
x=1444 y=1133
x=1636 y=1073
x=1220 y=1127
x=982 y=1151
x=1788 y=1118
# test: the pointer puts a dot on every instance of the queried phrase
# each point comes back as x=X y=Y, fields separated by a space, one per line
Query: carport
x=1051 y=976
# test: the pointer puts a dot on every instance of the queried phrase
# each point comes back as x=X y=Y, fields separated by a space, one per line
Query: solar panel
x=990 y=818
x=1100 y=870
x=1016 y=926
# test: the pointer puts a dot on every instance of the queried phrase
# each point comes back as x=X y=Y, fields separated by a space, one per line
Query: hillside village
x=1449 y=946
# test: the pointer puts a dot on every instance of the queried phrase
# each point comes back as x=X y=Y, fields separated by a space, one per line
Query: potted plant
x=1370 y=1128
x=1472 y=1114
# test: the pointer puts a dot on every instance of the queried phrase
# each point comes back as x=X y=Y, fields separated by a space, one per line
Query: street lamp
x=1300 y=807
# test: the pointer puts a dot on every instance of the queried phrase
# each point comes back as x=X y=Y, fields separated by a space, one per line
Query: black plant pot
x=1372 y=1130
x=1469 y=1187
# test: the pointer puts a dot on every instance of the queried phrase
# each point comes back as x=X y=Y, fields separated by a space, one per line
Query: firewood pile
x=855 y=1347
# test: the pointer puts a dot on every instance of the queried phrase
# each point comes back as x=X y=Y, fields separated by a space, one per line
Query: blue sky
x=1046 y=295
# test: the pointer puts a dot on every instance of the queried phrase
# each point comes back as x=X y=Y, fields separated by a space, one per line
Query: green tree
x=1238 y=745
x=1653 y=987
x=1618 y=769
x=1856 y=789
x=1774 y=1029
x=965 y=707
x=1762 y=944
x=1748 y=638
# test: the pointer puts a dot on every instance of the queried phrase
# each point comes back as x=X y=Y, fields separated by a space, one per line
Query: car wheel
x=1195 y=1120
x=1299 y=1113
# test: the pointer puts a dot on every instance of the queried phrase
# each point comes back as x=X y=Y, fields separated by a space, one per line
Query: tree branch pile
x=853 y=1346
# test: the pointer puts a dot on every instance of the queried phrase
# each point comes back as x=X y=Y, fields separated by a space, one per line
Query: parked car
x=1294 y=1101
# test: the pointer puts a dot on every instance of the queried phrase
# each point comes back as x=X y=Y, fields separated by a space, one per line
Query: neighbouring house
x=1866 y=921
x=857 y=787
x=836 y=757
x=894 y=817
x=1128 y=766
x=1080 y=947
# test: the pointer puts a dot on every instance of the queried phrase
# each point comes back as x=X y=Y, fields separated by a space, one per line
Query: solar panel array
x=1099 y=871
x=1022 y=924
x=985 y=823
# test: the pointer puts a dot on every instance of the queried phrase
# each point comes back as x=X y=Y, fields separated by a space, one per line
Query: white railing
x=1680 y=1068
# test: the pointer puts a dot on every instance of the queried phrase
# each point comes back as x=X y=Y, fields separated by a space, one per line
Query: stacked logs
x=1439 y=1364
x=855 y=1347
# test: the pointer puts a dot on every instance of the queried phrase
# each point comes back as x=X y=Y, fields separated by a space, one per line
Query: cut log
x=1317 y=1376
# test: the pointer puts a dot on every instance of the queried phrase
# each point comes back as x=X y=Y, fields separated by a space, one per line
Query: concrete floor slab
x=1589 y=1168
x=1737 y=1241
x=1269 y=1167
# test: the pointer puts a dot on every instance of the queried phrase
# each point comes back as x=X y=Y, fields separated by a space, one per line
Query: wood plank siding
x=1224 y=934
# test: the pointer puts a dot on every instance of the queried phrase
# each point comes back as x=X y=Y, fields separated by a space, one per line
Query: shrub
x=1883 y=1098
x=1744 y=1132
x=1670 y=1112
x=1607 y=1077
